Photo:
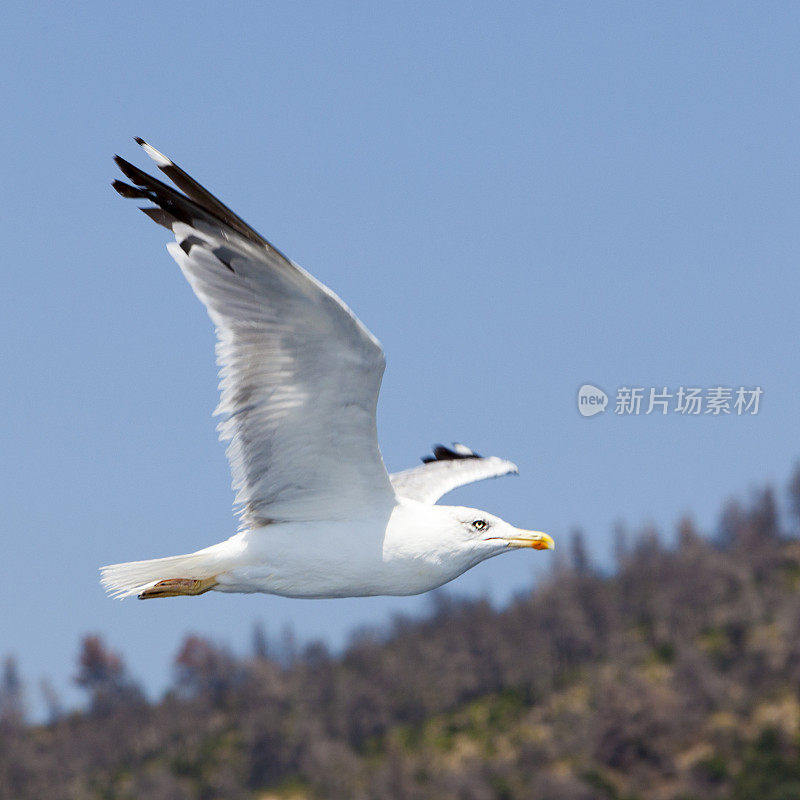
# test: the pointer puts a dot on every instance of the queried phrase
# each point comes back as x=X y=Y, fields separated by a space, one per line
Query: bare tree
x=12 y=704
x=793 y=491
x=260 y=641
x=579 y=554
x=102 y=673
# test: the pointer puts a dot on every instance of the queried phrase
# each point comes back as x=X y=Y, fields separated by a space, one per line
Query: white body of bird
x=410 y=548
x=300 y=375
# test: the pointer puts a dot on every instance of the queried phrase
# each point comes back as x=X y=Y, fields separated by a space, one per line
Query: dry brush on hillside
x=675 y=677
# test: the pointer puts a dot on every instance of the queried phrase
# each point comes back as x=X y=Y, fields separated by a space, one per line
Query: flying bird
x=299 y=379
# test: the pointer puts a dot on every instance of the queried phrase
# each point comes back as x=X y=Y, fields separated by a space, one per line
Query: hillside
x=676 y=677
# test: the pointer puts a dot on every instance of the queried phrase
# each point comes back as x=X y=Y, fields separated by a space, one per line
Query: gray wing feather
x=299 y=373
x=448 y=470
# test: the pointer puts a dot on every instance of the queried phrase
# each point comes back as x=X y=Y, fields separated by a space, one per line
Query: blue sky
x=516 y=198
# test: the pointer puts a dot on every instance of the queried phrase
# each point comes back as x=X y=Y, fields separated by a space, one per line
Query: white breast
x=396 y=553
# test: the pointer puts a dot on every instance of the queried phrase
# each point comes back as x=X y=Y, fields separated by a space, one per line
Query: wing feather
x=447 y=469
x=299 y=373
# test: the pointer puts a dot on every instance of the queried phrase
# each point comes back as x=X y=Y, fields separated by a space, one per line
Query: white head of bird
x=440 y=542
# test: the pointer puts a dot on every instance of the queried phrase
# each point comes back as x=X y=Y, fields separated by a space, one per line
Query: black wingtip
x=126 y=190
x=128 y=169
x=160 y=216
x=442 y=453
x=197 y=203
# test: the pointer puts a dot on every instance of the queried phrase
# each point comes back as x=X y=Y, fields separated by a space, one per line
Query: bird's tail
x=193 y=573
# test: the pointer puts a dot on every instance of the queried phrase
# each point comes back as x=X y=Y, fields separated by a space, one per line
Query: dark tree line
x=675 y=677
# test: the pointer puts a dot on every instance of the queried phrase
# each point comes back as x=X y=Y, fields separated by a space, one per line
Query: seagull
x=299 y=381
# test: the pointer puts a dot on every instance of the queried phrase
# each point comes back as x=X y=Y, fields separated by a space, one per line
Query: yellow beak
x=535 y=539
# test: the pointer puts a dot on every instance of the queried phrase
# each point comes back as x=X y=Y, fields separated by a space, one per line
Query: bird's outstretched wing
x=299 y=373
x=447 y=469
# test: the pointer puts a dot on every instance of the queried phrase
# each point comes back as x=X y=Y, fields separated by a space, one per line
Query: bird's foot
x=174 y=587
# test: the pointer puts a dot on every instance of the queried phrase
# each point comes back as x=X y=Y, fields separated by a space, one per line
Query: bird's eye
x=480 y=524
